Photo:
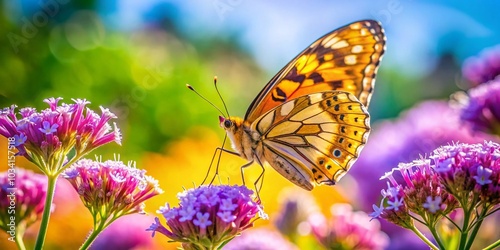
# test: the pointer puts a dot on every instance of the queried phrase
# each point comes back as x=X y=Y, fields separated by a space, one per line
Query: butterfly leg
x=243 y=174
x=220 y=150
x=260 y=178
x=257 y=190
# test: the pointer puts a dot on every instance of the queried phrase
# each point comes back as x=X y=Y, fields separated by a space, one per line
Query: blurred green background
x=135 y=57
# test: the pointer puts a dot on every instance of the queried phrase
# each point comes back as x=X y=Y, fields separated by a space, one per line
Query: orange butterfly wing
x=346 y=59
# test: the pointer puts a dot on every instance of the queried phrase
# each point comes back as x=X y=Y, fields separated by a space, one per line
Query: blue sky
x=273 y=32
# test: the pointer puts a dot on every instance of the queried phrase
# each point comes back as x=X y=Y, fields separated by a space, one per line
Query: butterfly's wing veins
x=314 y=139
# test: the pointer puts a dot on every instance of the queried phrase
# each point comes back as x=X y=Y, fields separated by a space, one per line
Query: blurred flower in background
x=23 y=196
x=296 y=207
x=481 y=107
x=347 y=229
x=484 y=67
x=126 y=233
x=260 y=239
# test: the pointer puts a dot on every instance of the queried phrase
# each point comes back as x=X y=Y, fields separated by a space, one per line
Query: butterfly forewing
x=314 y=139
x=345 y=59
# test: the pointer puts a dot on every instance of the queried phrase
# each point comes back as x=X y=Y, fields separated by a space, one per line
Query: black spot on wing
x=336 y=84
x=278 y=95
x=316 y=77
x=293 y=75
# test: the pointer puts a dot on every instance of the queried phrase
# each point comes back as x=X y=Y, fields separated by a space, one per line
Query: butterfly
x=310 y=122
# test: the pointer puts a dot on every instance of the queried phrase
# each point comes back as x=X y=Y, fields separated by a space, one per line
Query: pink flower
x=23 y=195
x=111 y=188
x=208 y=216
x=45 y=138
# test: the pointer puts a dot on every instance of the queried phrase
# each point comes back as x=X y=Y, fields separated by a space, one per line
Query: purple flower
x=483 y=176
x=481 y=109
x=22 y=192
x=259 y=239
x=203 y=218
x=48 y=129
x=433 y=205
x=377 y=211
x=474 y=169
x=111 y=189
x=46 y=137
x=347 y=230
x=483 y=68
x=395 y=203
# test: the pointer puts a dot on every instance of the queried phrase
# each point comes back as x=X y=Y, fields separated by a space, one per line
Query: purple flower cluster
x=484 y=67
x=461 y=175
x=46 y=137
x=482 y=107
x=22 y=195
x=208 y=216
x=111 y=188
x=347 y=230
x=471 y=173
x=420 y=192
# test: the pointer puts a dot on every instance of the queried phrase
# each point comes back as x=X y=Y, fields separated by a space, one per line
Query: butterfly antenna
x=191 y=88
x=220 y=96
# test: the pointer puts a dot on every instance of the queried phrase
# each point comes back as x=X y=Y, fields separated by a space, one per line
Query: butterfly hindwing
x=315 y=138
x=345 y=60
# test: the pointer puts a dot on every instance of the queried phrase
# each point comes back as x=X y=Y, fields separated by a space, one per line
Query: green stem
x=465 y=229
x=98 y=228
x=19 y=241
x=51 y=186
x=436 y=237
x=96 y=231
x=476 y=228
x=423 y=238
x=493 y=246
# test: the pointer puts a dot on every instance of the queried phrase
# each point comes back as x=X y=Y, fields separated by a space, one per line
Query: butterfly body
x=310 y=121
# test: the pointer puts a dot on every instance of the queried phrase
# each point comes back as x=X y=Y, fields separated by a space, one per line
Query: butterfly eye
x=228 y=123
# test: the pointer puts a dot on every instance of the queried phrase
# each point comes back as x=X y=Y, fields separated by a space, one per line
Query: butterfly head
x=230 y=124
x=234 y=127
